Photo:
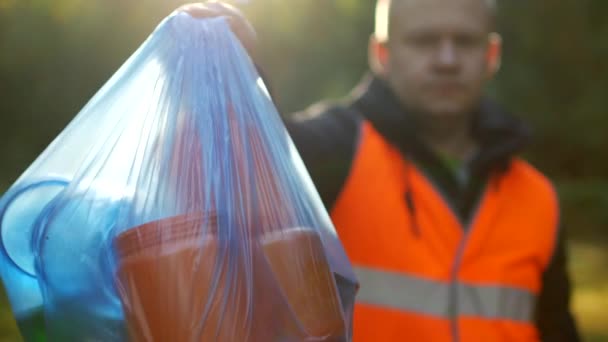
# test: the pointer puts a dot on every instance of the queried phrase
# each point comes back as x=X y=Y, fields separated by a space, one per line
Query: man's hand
x=238 y=23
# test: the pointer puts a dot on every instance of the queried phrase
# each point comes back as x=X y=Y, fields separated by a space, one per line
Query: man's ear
x=494 y=54
x=377 y=56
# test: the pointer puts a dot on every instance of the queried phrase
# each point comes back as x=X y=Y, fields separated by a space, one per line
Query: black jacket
x=326 y=136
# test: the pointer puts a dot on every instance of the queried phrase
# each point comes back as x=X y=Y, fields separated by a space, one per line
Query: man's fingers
x=238 y=23
x=210 y=9
x=200 y=10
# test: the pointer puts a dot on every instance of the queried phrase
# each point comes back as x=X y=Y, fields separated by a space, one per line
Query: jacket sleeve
x=326 y=143
x=554 y=319
x=325 y=136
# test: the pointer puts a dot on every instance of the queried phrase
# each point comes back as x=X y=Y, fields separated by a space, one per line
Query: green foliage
x=584 y=213
x=555 y=75
x=56 y=54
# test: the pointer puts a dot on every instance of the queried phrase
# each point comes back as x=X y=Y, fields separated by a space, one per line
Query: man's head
x=436 y=55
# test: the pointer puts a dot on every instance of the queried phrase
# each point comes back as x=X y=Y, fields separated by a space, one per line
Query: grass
x=589 y=263
x=585 y=216
x=8 y=328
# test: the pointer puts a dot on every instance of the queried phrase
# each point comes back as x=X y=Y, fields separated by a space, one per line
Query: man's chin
x=447 y=110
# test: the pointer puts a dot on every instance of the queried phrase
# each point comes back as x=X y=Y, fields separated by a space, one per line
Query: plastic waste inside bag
x=174 y=207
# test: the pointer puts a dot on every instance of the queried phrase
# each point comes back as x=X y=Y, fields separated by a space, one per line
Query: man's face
x=437 y=54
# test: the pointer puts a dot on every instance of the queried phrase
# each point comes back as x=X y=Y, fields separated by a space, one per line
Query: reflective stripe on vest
x=409 y=293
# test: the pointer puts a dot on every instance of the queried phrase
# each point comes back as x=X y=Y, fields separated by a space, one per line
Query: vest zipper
x=453 y=295
x=491 y=185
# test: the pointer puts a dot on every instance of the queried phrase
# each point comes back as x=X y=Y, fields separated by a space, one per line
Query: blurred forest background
x=55 y=54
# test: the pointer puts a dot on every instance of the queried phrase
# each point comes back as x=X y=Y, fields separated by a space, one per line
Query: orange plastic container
x=178 y=283
x=299 y=264
x=166 y=276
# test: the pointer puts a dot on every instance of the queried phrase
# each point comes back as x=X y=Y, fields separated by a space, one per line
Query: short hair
x=383 y=14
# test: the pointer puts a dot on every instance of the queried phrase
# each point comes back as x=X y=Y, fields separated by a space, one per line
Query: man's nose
x=446 y=55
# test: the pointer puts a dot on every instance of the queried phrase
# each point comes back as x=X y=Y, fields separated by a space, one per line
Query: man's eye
x=422 y=41
x=466 y=41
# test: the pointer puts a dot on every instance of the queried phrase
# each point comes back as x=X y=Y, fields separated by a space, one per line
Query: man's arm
x=325 y=136
x=553 y=317
x=326 y=139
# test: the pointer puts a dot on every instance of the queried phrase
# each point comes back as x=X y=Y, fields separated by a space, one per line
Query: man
x=452 y=236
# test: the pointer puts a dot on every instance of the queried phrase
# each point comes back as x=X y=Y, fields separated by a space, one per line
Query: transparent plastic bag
x=175 y=207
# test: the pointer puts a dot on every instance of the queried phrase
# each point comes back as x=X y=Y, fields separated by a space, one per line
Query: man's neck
x=448 y=136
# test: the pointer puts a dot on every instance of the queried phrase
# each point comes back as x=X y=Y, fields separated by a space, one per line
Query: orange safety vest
x=440 y=282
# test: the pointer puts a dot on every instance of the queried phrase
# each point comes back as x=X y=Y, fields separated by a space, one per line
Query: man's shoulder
x=335 y=125
x=532 y=178
x=328 y=116
x=326 y=136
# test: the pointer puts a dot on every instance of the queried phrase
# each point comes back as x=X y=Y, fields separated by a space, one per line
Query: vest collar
x=500 y=135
